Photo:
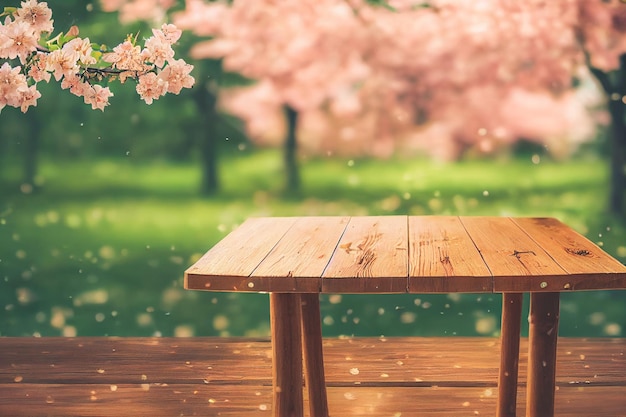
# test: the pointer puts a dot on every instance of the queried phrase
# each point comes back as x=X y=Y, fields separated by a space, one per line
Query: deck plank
x=406 y=361
x=35 y=400
x=432 y=377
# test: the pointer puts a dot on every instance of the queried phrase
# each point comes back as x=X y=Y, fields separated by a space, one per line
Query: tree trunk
x=617 y=109
x=614 y=84
x=291 y=147
x=206 y=100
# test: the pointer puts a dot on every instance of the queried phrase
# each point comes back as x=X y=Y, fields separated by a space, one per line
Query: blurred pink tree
x=303 y=53
x=602 y=35
x=441 y=76
x=301 y=62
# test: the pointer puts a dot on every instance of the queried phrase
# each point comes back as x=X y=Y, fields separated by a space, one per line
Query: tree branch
x=602 y=77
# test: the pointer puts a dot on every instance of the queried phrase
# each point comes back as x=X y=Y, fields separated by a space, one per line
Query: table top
x=397 y=254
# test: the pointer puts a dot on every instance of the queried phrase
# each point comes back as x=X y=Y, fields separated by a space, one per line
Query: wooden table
x=297 y=258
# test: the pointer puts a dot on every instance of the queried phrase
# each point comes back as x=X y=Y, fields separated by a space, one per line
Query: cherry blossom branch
x=80 y=65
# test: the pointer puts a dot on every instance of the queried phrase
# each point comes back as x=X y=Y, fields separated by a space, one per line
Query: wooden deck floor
x=394 y=377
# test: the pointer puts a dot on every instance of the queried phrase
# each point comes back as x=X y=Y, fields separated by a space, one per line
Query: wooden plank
x=418 y=361
x=517 y=262
x=443 y=258
x=290 y=254
x=470 y=402
x=440 y=361
x=588 y=266
x=466 y=402
x=136 y=400
x=49 y=400
x=372 y=256
x=108 y=360
x=227 y=266
x=371 y=376
x=298 y=260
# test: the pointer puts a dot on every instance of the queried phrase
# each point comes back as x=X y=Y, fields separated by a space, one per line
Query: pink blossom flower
x=168 y=33
x=83 y=48
x=28 y=97
x=128 y=57
x=205 y=19
x=157 y=51
x=4 y=40
x=37 y=15
x=12 y=84
x=97 y=96
x=111 y=5
x=130 y=10
x=151 y=87
x=75 y=85
x=123 y=54
x=37 y=70
x=176 y=74
x=18 y=40
x=63 y=62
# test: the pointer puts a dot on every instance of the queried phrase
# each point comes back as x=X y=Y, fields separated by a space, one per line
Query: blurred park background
x=317 y=108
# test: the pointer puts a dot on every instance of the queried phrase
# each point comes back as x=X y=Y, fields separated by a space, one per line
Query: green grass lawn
x=101 y=248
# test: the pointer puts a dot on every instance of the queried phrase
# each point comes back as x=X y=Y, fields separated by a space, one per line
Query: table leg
x=313 y=355
x=509 y=354
x=285 y=311
x=542 y=339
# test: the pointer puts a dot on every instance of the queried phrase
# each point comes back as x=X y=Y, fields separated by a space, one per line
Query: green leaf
x=54 y=42
x=8 y=11
x=65 y=39
x=424 y=6
x=382 y=3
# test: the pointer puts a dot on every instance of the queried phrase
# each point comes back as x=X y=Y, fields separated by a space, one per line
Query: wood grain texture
x=372 y=256
x=313 y=355
x=543 y=325
x=297 y=262
x=510 y=254
x=509 y=354
x=232 y=377
x=401 y=361
x=227 y=266
x=443 y=258
x=285 y=312
x=587 y=266
x=52 y=400
x=418 y=254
